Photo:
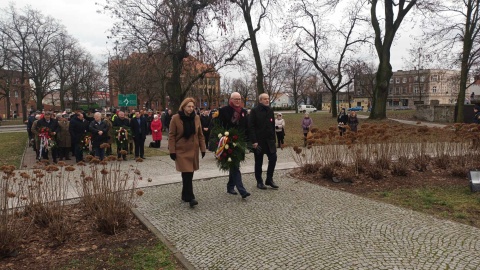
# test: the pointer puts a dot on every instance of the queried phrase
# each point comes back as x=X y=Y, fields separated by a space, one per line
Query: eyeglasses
x=236 y=98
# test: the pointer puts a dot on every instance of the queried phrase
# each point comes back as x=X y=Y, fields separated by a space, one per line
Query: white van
x=306 y=108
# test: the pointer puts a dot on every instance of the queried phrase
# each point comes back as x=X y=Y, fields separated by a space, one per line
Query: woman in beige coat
x=185 y=141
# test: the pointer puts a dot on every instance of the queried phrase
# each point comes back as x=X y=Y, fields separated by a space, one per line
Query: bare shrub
x=421 y=162
x=327 y=171
x=383 y=163
x=375 y=173
x=459 y=171
x=12 y=221
x=443 y=161
x=400 y=169
x=46 y=199
x=347 y=175
x=310 y=169
x=109 y=193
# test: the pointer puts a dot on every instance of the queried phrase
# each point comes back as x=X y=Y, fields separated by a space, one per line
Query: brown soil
x=39 y=252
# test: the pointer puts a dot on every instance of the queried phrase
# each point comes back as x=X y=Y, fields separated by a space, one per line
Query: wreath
x=47 y=141
x=122 y=135
x=230 y=149
x=86 y=143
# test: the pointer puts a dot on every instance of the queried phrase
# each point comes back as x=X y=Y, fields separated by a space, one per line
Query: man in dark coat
x=205 y=120
x=78 y=129
x=122 y=121
x=99 y=130
x=139 y=131
x=262 y=136
x=48 y=122
x=234 y=116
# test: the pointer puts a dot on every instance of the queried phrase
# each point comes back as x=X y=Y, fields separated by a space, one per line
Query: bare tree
x=456 y=27
x=165 y=25
x=247 y=8
x=384 y=37
x=297 y=74
x=17 y=28
x=274 y=71
x=316 y=40
x=40 y=56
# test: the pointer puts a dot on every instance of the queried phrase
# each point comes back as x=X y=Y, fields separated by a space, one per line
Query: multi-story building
x=139 y=74
x=411 y=87
x=10 y=94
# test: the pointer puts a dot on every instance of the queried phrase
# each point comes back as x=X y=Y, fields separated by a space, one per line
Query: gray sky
x=79 y=17
x=91 y=28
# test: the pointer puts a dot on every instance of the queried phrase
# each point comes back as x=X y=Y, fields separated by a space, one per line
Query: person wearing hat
x=280 y=129
x=476 y=118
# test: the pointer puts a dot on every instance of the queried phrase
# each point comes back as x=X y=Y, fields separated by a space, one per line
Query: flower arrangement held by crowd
x=230 y=149
x=122 y=136
x=87 y=143
x=47 y=141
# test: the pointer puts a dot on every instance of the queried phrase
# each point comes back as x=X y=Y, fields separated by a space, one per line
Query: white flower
x=219 y=135
x=234 y=144
x=226 y=146
x=226 y=133
x=229 y=160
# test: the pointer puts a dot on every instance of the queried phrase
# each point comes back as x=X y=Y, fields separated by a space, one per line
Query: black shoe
x=142 y=157
x=193 y=202
x=261 y=186
x=271 y=183
x=245 y=195
x=233 y=192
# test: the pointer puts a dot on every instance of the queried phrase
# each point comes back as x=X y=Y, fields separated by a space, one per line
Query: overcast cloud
x=91 y=28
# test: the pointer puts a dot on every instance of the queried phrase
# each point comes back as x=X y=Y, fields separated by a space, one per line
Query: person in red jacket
x=156 y=127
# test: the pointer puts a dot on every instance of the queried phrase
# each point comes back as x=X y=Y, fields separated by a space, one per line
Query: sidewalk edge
x=178 y=255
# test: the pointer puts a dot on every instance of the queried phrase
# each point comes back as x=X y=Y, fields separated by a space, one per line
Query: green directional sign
x=127 y=100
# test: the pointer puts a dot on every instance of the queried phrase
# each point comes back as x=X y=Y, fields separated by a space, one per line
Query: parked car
x=356 y=109
x=306 y=108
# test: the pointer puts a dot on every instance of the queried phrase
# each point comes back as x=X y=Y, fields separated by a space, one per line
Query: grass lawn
x=17 y=121
x=13 y=146
x=293 y=125
x=147 y=256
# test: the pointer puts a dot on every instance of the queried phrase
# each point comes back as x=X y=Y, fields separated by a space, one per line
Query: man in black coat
x=121 y=121
x=205 y=120
x=48 y=122
x=78 y=129
x=234 y=116
x=262 y=136
x=139 y=130
x=99 y=130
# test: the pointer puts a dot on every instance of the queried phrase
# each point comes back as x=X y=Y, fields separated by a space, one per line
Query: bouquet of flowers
x=86 y=143
x=47 y=141
x=230 y=149
x=122 y=136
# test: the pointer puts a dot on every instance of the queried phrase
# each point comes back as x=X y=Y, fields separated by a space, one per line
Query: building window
x=390 y=91
x=397 y=90
x=422 y=79
x=397 y=80
x=434 y=78
x=434 y=89
x=391 y=81
x=404 y=80
x=415 y=79
x=415 y=89
x=16 y=94
x=404 y=90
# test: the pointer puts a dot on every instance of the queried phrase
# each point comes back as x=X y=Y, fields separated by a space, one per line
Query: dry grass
x=14 y=145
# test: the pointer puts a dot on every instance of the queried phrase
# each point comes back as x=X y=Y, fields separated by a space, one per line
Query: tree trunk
x=380 y=95
x=256 y=52
x=467 y=48
x=333 y=103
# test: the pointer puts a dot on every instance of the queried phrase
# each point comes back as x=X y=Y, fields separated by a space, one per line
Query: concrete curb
x=178 y=255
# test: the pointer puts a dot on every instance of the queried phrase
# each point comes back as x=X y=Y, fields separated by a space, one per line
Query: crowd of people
x=60 y=136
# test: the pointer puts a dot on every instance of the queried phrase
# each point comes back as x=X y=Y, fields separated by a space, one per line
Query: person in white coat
x=280 y=129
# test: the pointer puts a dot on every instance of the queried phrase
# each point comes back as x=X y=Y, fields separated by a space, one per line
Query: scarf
x=188 y=124
x=236 y=112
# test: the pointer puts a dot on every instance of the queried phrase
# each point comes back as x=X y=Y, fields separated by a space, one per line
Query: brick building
x=10 y=94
